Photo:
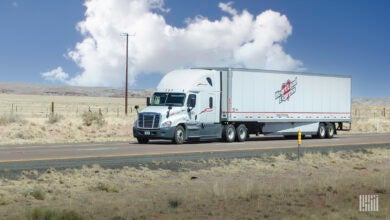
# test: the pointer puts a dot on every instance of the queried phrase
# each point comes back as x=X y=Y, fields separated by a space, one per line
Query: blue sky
x=337 y=37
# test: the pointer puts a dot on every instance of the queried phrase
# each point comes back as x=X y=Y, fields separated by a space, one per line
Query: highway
x=128 y=154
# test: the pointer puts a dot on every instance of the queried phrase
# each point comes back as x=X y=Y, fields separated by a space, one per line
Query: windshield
x=166 y=99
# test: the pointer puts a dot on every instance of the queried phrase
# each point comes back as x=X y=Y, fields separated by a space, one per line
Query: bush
x=107 y=188
x=38 y=194
x=11 y=118
x=93 y=117
x=52 y=214
x=54 y=118
x=174 y=202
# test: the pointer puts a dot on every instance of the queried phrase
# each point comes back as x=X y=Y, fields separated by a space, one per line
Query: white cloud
x=240 y=39
x=227 y=7
x=56 y=74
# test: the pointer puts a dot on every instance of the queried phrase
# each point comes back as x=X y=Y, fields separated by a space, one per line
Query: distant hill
x=64 y=90
x=371 y=101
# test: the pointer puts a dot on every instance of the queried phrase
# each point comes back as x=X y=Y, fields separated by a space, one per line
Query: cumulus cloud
x=56 y=74
x=237 y=39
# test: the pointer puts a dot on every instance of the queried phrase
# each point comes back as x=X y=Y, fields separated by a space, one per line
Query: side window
x=191 y=101
x=211 y=102
x=209 y=81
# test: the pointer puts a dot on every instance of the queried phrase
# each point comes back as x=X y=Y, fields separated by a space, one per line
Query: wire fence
x=44 y=110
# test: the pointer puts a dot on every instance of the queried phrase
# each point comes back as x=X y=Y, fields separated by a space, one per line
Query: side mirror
x=136 y=108
x=147 y=101
x=169 y=109
x=193 y=102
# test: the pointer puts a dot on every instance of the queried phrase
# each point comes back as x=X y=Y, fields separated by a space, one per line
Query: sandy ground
x=25 y=119
x=320 y=186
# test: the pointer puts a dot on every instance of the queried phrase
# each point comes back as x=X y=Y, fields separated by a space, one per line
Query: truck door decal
x=287 y=90
x=206 y=110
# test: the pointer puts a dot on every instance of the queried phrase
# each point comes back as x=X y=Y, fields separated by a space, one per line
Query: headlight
x=135 y=123
x=166 y=124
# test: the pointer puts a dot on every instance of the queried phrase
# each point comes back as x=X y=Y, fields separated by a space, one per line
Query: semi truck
x=229 y=104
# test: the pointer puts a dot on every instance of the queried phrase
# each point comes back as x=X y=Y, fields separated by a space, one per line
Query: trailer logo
x=287 y=90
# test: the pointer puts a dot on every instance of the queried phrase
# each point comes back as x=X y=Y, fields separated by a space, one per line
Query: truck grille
x=148 y=120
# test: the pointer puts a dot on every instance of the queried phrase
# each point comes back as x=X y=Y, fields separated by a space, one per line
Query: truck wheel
x=142 y=140
x=321 y=131
x=329 y=130
x=179 y=135
x=242 y=133
x=229 y=133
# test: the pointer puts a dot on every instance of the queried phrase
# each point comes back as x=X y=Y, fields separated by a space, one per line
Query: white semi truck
x=229 y=104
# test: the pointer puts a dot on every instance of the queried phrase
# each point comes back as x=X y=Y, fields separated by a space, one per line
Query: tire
x=142 y=140
x=179 y=135
x=321 y=133
x=229 y=133
x=241 y=133
x=330 y=130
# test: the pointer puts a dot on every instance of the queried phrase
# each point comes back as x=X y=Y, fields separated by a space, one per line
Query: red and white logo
x=287 y=90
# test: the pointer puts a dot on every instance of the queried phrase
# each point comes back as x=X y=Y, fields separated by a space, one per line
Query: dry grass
x=28 y=119
x=321 y=186
x=370 y=119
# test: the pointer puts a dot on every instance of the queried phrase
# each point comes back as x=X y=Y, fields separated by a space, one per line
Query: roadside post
x=299 y=143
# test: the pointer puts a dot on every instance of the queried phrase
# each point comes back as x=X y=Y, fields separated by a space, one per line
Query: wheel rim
x=230 y=133
x=322 y=131
x=331 y=131
x=179 y=135
x=242 y=134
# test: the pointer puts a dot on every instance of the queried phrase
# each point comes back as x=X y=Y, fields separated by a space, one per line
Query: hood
x=163 y=110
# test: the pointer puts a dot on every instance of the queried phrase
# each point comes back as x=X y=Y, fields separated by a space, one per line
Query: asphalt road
x=89 y=150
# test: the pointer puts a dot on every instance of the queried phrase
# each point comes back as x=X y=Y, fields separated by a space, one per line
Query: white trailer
x=230 y=104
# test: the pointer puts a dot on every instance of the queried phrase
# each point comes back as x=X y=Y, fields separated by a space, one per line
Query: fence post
x=52 y=108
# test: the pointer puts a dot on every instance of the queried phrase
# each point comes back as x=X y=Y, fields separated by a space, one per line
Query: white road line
x=97 y=149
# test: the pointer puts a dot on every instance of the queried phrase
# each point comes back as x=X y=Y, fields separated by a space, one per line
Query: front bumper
x=162 y=133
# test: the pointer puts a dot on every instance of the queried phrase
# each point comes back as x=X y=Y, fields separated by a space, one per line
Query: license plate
x=147 y=132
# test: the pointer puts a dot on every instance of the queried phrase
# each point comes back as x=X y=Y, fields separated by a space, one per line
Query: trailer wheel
x=229 y=133
x=179 y=135
x=142 y=140
x=321 y=133
x=242 y=133
x=329 y=130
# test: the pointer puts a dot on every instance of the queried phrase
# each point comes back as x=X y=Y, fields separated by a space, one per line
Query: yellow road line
x=182 y=152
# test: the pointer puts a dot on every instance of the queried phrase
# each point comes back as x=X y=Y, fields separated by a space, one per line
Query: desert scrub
x=52 y=214
x=54 y=118
x=11 y=118
x=93 y=117
x=107 y=188
x=36 y=193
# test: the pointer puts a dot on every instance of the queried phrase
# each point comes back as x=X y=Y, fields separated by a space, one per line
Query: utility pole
x=127 y=68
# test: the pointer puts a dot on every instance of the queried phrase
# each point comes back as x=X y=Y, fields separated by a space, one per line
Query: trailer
x=230 y=104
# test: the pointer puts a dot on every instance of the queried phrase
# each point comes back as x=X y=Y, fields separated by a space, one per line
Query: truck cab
x=185 y=106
